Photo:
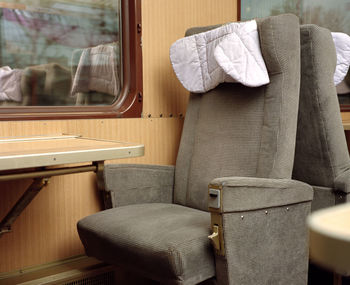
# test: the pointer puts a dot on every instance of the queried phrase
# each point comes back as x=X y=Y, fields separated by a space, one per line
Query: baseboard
x=77 y=270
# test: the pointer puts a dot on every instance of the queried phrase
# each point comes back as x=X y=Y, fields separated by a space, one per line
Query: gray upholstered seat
x=241 y=141
x=164 y=240
x=321 y=156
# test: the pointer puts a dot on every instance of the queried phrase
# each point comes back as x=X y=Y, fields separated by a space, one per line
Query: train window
x=70 y=59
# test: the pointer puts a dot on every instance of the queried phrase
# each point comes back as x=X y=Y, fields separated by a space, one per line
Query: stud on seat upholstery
x=240 y=139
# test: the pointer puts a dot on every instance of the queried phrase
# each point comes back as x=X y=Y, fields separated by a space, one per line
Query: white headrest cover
x=342 y=47
x=230 y=53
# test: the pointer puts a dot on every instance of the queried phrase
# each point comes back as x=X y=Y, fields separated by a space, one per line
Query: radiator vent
x=106 y=278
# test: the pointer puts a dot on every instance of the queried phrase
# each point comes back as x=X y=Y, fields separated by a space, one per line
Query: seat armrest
x=342 y=182
x=268 y=215
x=139 y=183
x=248 y=193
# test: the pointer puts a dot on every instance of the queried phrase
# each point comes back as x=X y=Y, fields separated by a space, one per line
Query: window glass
x=60 y=53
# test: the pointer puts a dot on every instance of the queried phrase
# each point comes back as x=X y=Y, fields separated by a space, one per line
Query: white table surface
x=330 y=238
x=40 y=151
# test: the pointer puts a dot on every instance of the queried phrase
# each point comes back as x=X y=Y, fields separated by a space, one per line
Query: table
x=41 y=157
x=330 y=238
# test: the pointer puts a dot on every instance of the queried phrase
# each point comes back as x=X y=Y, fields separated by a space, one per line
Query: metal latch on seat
x=214 y=198
x=214 y=237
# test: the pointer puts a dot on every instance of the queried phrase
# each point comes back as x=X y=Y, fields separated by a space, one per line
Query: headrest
x=229 y=53
x=279 y=51
x=232 y=53
x=342 y=47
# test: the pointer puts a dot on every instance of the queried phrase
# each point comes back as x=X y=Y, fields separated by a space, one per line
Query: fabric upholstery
x=266 y=248
x=166 y=242
x=342 y=182
x=197 y=30
x=254 y=127
x=226 y=140
x=280 y=45
x=246 y=194
x=265 y=234
x=324 y=197
x=321 y=154
x=231 y=130
x=138 y=184
x=185 y=152
x=321 y=151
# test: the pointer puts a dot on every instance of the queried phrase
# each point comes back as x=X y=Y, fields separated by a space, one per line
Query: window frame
x=130 y=103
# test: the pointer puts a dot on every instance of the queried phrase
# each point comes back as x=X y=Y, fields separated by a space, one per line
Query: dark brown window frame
x=344 y=107
x=128 y=105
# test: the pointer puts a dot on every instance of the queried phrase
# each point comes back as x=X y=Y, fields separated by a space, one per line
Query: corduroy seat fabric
x=321 y=155
x=165 y=240
x=236 y=137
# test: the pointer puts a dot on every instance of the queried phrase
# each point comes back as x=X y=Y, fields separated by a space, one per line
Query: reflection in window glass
x=59 y=53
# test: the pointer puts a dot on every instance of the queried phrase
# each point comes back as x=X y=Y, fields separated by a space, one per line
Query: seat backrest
x=321 y=153
x=235 y=130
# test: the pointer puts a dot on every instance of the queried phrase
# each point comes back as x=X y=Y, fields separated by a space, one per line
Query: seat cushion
x=165 y=242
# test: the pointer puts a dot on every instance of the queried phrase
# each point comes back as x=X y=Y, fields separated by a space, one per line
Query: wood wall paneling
x=346 y=118
x=46 y=231
x=165 y=21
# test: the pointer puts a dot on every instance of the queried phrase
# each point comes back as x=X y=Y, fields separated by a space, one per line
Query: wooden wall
x=164 y=22
x=46 y=231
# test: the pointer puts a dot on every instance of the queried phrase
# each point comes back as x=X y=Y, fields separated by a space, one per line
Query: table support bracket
x=41 y=179
x=22 y=203
x=107 y=196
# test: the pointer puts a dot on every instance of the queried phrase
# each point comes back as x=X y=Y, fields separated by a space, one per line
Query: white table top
x=39 y=151
x=330 y=238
